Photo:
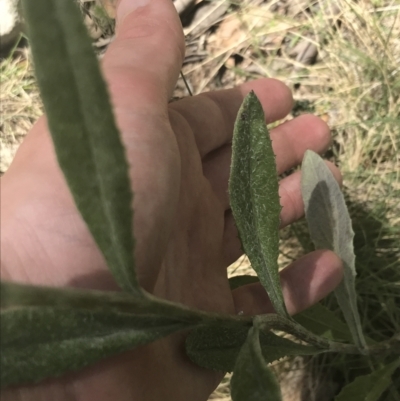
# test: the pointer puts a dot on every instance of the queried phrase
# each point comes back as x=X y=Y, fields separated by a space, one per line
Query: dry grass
x=20 y=104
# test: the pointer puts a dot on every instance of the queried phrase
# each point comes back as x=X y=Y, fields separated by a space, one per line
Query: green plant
x=85 y=326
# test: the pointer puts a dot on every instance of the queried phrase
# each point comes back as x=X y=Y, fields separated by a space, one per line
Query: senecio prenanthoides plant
x=46 y=332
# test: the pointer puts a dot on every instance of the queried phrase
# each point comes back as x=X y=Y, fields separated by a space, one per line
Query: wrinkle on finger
x=206 y=121
x=216 y=169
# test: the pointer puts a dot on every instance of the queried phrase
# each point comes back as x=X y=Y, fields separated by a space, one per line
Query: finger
x=144 y=60
x=141 y=68
x=289 y=141
x=291 y=197
x=304 y=283
x=212 y=115
x=231 y=243
x=292 y=210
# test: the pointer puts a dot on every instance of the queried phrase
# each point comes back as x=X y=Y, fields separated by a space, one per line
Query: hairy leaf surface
x=252 y=379
x=253 y=190
x=14 y=295
x=85 y=136
x=37 y=343
x=217 y=348
x=330 y=228
x=17 y=295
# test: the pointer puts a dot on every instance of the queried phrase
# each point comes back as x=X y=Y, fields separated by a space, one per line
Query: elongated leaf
x=320 y=320
x=217 y=348
x=37 y=343
x=85 y=136
x=239 y=281
x=14 y=295
x=253 y=189
x=330 y=228
x=252 y=379
x=369 y=387
x=20 y=295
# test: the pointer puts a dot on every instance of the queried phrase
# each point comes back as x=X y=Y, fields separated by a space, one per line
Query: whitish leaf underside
x=330 y=228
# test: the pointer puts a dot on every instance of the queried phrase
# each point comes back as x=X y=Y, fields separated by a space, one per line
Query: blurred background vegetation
x=342 y=60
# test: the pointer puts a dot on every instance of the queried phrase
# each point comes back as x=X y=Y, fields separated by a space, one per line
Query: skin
x=179 y=156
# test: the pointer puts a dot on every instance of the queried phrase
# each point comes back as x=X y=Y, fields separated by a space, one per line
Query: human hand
x=179 y=156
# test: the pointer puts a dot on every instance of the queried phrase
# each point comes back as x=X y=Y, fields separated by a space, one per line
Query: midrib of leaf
x=99 y=337
x=104 y=335
x=270 y=276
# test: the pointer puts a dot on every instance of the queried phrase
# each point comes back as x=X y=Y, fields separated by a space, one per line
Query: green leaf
x=252 y=379
x=321 y=321
x=19 y=295
x=37 y=343
x=330 y=228
x=239 y=281
x=217 y=348
x=85 y=136
x=253 y=190
x=16 y=295
x=369 y=387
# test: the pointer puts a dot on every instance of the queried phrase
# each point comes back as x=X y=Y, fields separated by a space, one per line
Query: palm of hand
x=185 y=236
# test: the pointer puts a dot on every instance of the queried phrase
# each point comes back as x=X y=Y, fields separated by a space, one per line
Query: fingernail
x=125 y=7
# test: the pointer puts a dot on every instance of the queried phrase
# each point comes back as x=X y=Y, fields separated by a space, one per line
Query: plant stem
x=276 y=322
x=392 y=345
x=162 y=306
x=186 y=84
